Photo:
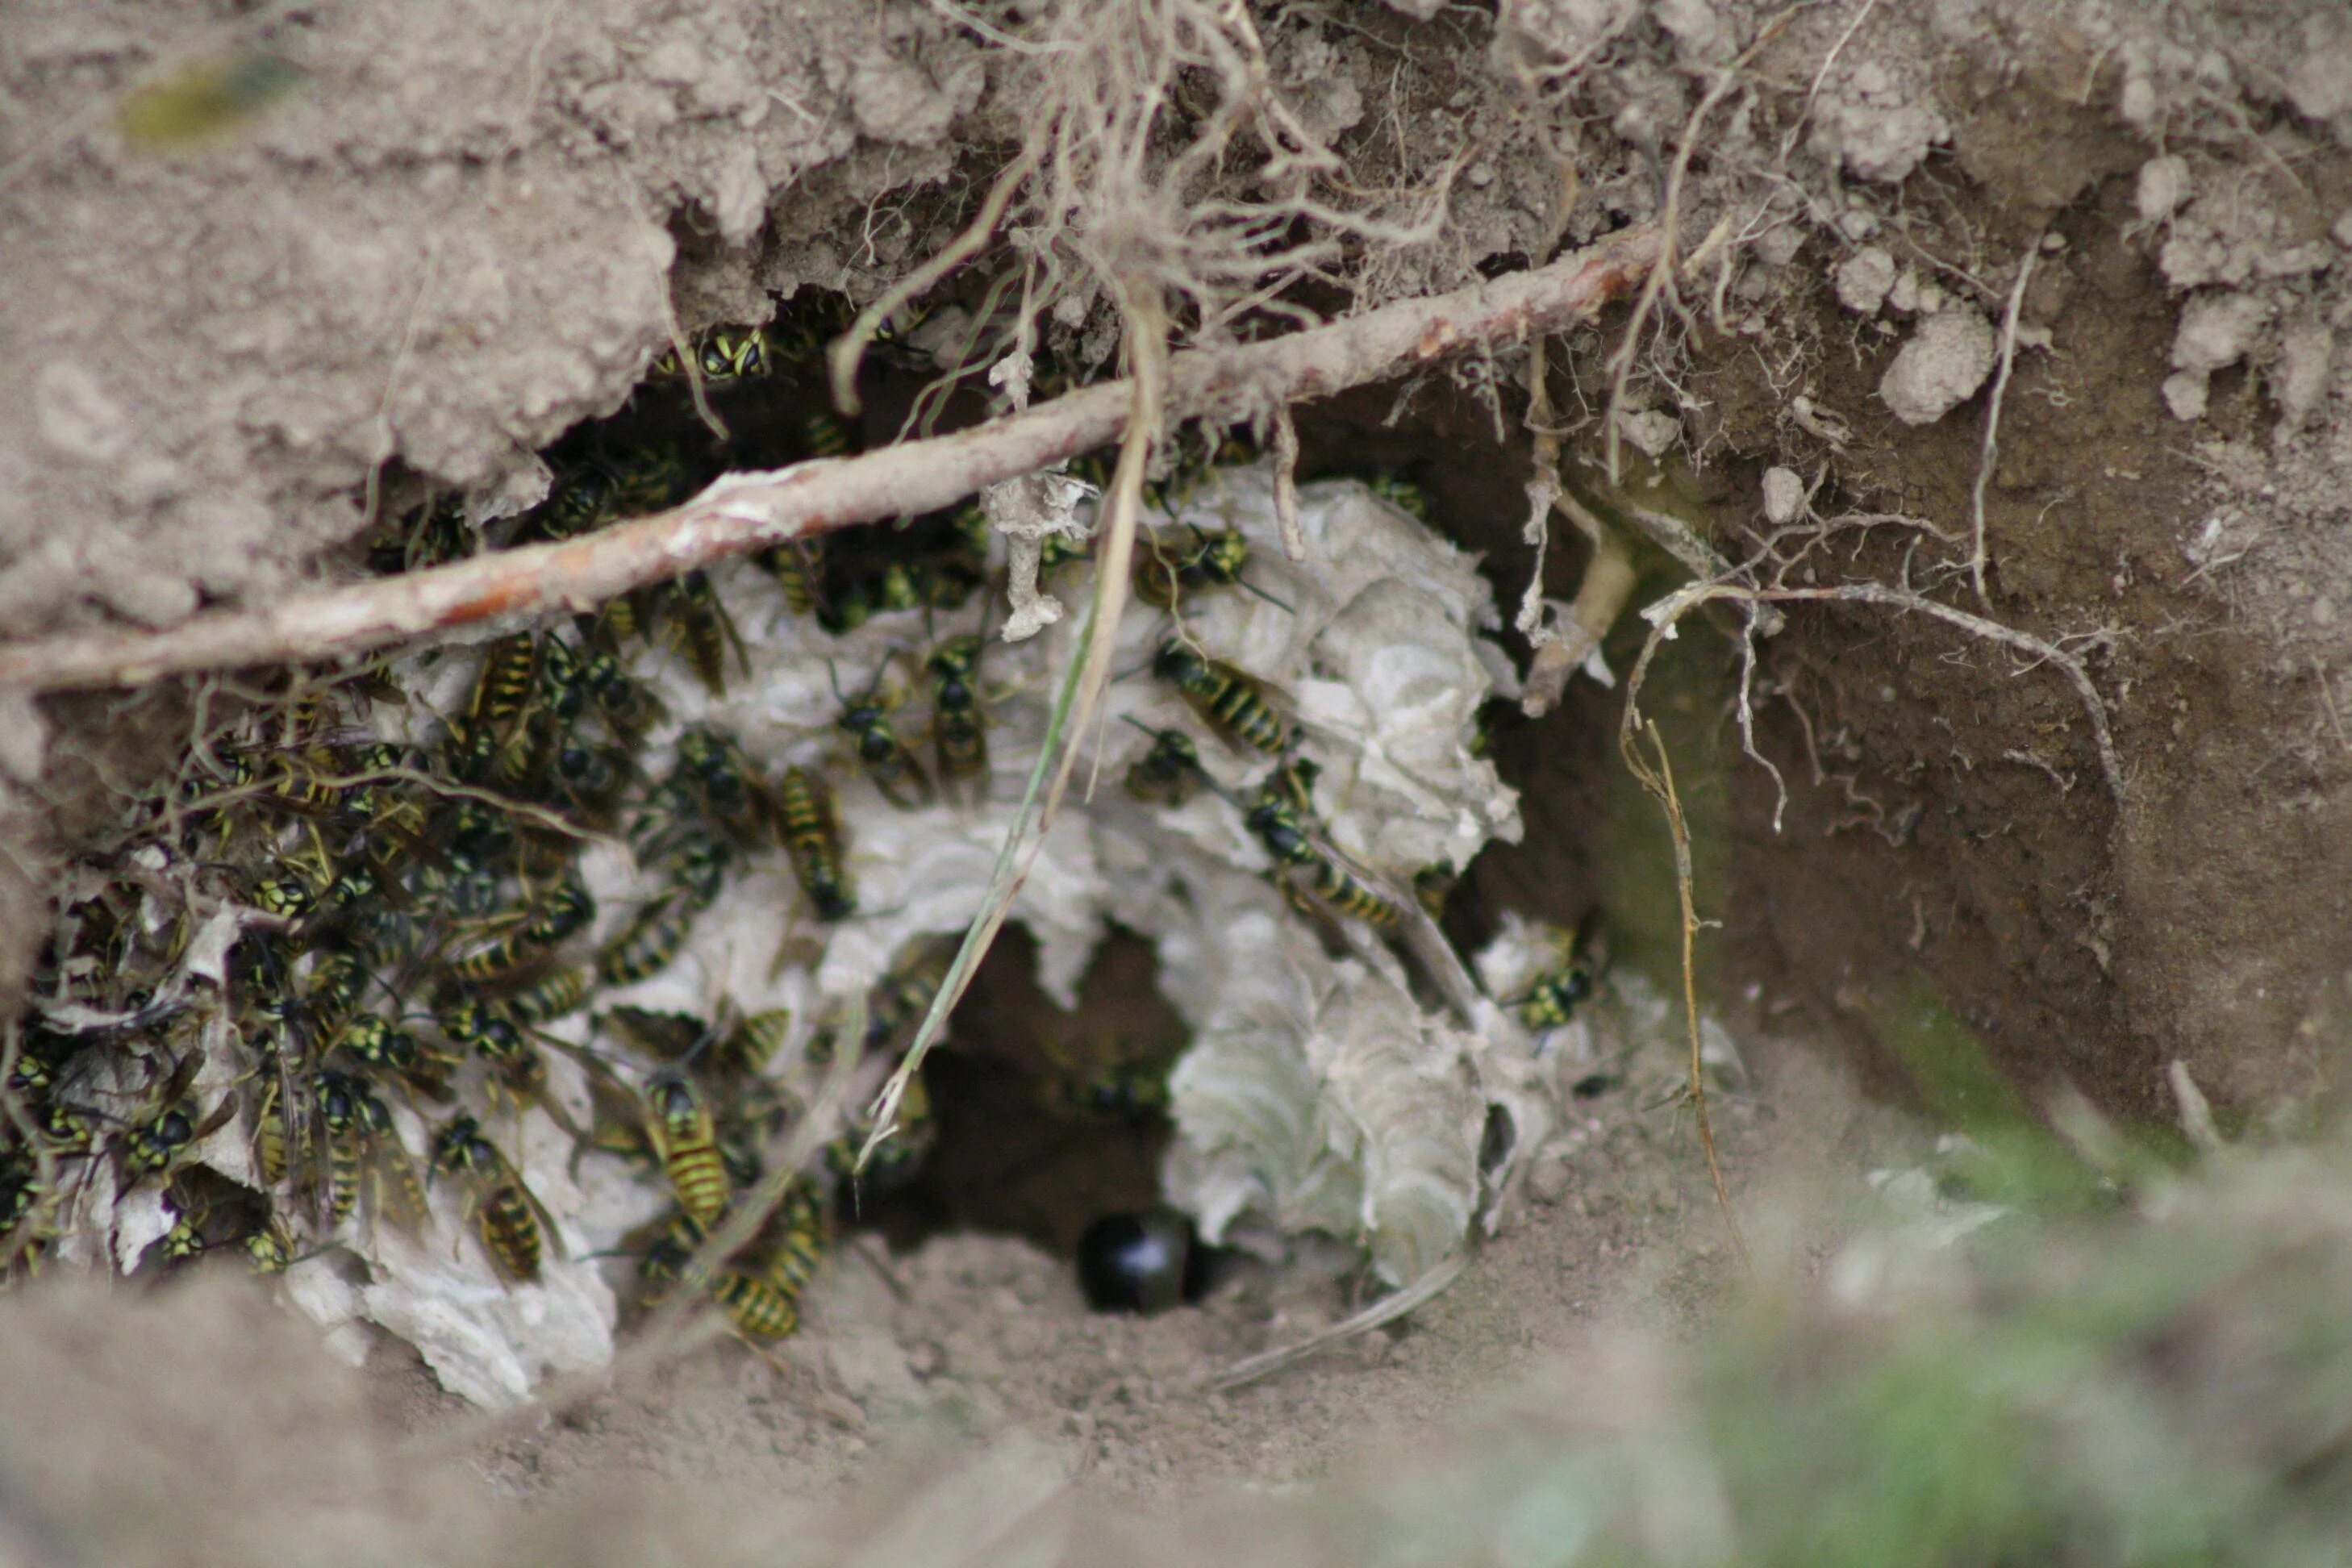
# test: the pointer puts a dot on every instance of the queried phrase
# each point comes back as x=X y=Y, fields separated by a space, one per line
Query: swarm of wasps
x=408 y=923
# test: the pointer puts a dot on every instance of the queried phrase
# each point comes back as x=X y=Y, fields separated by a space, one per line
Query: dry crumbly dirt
x=252 y=1443
x=467 y=231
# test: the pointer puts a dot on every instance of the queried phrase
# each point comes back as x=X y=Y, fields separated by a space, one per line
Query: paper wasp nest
x=1317 y=1093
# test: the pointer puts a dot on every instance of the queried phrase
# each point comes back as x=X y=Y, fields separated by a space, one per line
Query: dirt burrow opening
x=1948 y=886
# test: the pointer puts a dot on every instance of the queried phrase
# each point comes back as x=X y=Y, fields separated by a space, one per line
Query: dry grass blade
x=1387 y=1310
x=741 y=512
x=1660 y=781
x=1082 y=691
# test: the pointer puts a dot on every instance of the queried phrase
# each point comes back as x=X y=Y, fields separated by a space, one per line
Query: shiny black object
x=1144 y=1262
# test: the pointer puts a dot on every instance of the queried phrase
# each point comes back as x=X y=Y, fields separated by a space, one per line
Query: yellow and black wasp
x=154 y=1142
x=1400 y=493
x=362 y=1155
x=790 y=1249
x=507 y=1048
x=541 y=922
x=494 y=740
x=1165 y=572
x=696 y=865
x=1313 y=869
x=1233 y=703
x=811 y=831
x=689 y=619
x=959 y=729
x=757 y=1308
x=1550 y=998
x=559 y=992
x=720 y=353
x=1110 y=1077
x=429 y=535
x=629 y=710
x=685 y=1138
x=747 y=1043
x=886 y=759
x=715 y=779
x=1168 y=773
x=516 y=1229
x=391 y=1052
x=583 y=498
x=895 y=1009
x=798 y=567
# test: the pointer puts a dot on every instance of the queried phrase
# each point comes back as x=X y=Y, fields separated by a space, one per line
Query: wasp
x=583 y=498
x=826 y=433
x=152 y=1144
x=1165 y=572
x=679 y=1126
x=790 y=1249
x=1433 y=885
x=430 y=535
x=628 y=708
x=750 y=1043
x=361 y=1154
x=649 y=477
x=894 y=1158
x=392 y=1051
x=885 y=757
x=643 y=947
x=721 y=354
x=503 y=1043
x=269 y=1249
x=905 y=993
x=1316 y=870
x=1170 y=772
x=514 y=1227
x=272 y=1118
x=692 y=623
x=812 y=835
x=758 y=1309
x=1552 y=996
x=1400 y=493
x=560 y=991
x=1113 y=1078
x=959 y=730
x=496 y=740
x=715 y=776
x=798 y=567
x=1235 y=704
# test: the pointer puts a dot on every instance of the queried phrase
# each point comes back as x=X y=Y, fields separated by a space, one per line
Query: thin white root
x=741 y=512
x=1990 y=453
x=1600 y=598
x=843 y=356
x=1667 y=612
x=2196 y=1122
x=1285 y=484
x=1387 y=1310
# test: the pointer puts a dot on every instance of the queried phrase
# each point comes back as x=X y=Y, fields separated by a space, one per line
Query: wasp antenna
x=1269 y=598
x=832 y=678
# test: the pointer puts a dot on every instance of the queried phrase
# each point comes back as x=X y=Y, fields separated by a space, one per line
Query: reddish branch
x=744 y=511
